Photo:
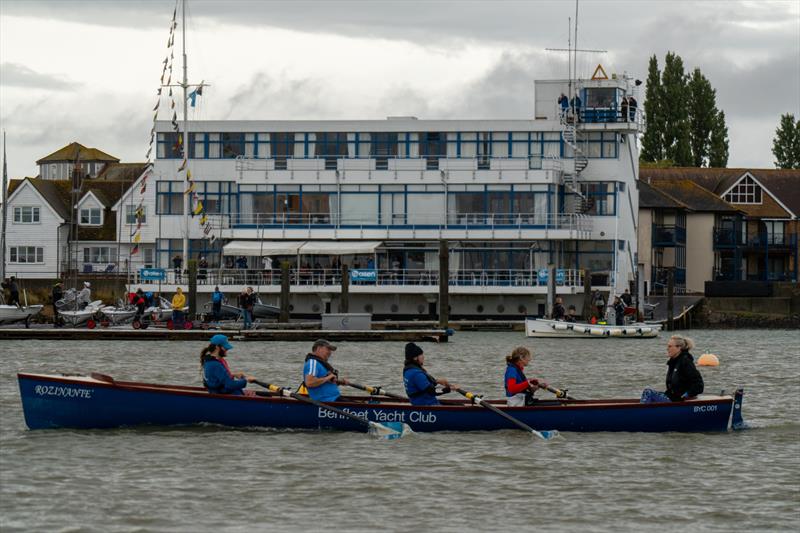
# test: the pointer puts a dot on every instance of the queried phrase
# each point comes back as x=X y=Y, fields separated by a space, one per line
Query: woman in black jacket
x=683 y=379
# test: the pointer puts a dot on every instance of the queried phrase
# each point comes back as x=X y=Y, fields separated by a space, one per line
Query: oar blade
x=548 y=434
x=389 y=430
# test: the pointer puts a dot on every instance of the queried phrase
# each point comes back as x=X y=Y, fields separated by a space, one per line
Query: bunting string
x=196 y=205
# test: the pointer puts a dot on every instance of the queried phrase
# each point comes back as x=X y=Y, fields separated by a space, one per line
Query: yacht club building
x=510 y=197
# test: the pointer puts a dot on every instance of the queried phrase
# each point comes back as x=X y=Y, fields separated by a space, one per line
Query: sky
x=88 y=71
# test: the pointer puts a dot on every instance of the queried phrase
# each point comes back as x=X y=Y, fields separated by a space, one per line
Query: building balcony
x=405 y=226
x=668 y=236
x=308 y=280
x=660 y=280
x=768 y=242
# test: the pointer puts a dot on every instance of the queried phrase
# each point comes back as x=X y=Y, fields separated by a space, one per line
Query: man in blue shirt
x=319 y=377
x=421 y=386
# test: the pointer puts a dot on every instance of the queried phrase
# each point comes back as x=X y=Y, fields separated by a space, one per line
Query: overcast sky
x=87 y=71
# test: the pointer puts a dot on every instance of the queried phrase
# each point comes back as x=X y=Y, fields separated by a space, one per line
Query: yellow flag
x=198 y=208
x=137 y=238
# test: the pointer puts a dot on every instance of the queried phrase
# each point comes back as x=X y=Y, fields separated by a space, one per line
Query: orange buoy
x=708 y=359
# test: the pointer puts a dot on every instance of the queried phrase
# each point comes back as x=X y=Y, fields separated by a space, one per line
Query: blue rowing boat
x=98 y=401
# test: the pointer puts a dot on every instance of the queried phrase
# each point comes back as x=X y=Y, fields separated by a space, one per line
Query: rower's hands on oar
x=538 y=383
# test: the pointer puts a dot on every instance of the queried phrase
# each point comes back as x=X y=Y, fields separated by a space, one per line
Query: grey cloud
x=16 y=75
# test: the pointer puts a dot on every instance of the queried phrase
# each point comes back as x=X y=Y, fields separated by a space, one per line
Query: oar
x=372 y=427
x=375 y=391
x=545 y=435
x=560 y=393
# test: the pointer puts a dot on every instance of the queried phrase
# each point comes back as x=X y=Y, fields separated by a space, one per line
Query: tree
x=653 y=139
x=786 y=143
x=718 y=144
x=674 y=103
x=702 y=113
x=681 y=112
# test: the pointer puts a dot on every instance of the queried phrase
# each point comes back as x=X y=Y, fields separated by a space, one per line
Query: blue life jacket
x=216 y=379
x=420 y=386
x=513 y=371
x=216 y=297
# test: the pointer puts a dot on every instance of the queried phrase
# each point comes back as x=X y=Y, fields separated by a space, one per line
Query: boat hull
x=79 y=402
x=11 y=314
x=537 y=327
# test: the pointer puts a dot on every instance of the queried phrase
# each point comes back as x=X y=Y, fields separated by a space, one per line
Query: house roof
x=652 y=198
x=57 y=193
x=784 y=185
x=691 y=195
x=71 y=151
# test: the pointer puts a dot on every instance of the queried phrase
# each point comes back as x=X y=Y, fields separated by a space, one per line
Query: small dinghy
x=12 y=314
x=539 y=327
x=78 y=317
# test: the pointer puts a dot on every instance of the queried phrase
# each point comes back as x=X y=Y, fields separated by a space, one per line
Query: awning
x=339 y=247
x=262 y=248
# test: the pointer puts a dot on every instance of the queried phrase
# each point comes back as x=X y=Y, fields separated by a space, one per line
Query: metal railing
x=468 y=221
x=331 y=277
x=729 y=238
x=668 y=235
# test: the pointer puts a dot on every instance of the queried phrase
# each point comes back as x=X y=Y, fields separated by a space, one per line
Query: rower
x=421 y=386
x=217 y=376
x=320 y=379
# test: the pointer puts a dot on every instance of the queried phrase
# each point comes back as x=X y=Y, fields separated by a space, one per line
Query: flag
x=194 y=94
x=198 y=208
x=203 y=219
x=135 y=250
x=137 y=238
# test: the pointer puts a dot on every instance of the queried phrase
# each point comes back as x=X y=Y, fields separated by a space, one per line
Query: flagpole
x=185 y=143
x=5 y=206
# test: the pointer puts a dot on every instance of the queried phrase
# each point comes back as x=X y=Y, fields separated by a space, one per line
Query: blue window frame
x=168 y=147
x=169 y=197
x=600 y=197
x=166 y=249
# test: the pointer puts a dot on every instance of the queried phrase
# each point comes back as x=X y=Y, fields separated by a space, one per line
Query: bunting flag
x=167 y=66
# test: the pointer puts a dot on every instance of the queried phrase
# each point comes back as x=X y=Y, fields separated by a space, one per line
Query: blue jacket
x=217 y=380
x=420 y=386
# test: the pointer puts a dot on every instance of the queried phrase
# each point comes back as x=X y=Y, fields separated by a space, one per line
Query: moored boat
x=11 y=314
x=77 y=317
x=84 y=402
x=539 y=327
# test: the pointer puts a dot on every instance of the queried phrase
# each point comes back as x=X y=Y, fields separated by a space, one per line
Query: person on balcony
x=563 y=101
x=177 y=265
x=520 y=389
x=632 y=103
x=576 y=107
x=202 y=266
x=421 y=386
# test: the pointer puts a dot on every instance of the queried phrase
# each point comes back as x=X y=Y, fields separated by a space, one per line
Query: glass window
x=599 y=197
x=747 y=191
x=26 y=215
x=131 y=214
x=232 y=145
x=197 y=145
x=97 y=254
x=91 y=217
x=169 y=197
x=359 y=208
x=26 y=254
x=214 y=145
x=168 y=146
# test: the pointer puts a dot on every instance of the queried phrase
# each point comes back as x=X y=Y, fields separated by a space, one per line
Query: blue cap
x=222 y=341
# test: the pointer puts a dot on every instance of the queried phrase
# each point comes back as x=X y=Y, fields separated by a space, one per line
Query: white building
x=509 y=196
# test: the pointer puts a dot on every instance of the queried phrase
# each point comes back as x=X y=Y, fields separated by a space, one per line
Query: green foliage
x=653 y=139
x=718 y=145
x=701 y=116
x=683 y=122
x=786 y=143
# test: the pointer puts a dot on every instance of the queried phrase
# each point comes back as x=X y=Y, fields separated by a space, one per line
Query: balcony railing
x=668 y=235
x=326 y=277
x=467 y=221
x=660 y=280
x=729 y=238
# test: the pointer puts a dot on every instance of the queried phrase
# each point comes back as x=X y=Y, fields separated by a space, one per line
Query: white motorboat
x=539 y=327
x=10 y=314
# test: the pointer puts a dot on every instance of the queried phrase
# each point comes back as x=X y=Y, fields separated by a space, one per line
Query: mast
x=5 y=207
x=185 y=143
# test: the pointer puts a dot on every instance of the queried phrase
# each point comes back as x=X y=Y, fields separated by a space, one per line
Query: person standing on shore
x=178 y=303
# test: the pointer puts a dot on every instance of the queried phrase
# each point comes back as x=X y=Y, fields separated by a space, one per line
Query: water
x=198 y=479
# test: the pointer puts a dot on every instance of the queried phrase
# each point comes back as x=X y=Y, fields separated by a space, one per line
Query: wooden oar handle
x=560 y=393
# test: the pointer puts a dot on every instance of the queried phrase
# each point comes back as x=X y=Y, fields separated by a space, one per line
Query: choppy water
x=200 y=479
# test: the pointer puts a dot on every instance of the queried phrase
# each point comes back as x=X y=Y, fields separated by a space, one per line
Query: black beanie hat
x=412 y=351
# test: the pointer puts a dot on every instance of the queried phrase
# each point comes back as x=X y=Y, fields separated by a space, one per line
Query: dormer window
x=91 y=217
x=747 y=191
